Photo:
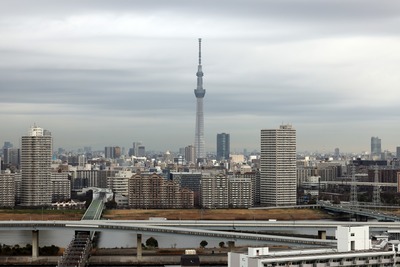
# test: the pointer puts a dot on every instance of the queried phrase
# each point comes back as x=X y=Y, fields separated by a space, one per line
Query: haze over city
x=113 y=72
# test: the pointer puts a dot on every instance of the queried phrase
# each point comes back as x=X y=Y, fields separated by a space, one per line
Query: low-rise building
x=354 y=248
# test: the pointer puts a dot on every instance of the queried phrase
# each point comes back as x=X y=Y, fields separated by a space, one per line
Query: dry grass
x=38 y=215
x=171 y=214
x=217 y=214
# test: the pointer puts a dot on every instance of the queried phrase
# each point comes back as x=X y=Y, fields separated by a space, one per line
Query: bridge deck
x=94 y=211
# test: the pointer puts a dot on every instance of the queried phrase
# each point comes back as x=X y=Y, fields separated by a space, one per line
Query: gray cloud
x=126 y=70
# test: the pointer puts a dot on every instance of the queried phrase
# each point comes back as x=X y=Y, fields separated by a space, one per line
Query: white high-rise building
x=36 y=153
x=278 y=167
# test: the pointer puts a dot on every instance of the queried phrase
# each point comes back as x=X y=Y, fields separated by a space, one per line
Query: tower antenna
x=199 y=51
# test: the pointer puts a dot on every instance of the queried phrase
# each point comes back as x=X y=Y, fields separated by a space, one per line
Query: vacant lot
x=218 y=214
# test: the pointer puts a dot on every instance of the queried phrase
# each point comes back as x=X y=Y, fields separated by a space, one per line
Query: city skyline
x=115 y=72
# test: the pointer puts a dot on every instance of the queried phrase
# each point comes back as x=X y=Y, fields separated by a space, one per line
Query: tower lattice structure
x=353 y=194
x=199 y=92
x=377 y=194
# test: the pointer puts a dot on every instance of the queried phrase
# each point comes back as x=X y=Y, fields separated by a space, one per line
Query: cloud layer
x=113 y=72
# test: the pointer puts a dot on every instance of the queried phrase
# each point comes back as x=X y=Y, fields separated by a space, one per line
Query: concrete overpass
x=187 y=228
x=225 y=229
x=361 y=211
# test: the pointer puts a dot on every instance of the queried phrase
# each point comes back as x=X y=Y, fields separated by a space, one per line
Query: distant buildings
x=112 y=152
x=36 y=155
x=137 y=150
x=278 y=167
x=11 y=157
x=223 y=146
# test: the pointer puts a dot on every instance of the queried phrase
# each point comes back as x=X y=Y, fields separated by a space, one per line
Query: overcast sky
x=107 y=73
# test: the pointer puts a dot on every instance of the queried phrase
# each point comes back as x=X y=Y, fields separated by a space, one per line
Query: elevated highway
x=360 y=211
x=278 y=231
x=192 y=228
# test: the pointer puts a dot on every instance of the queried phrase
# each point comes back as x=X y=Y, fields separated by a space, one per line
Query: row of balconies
x=343 y=262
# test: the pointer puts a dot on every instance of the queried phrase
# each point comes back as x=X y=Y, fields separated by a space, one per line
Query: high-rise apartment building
x=214 y=191
x=7 y=187
x=278 y=167
x=223 y=146
x=241 y=194
x=376 y=148
x=60 y=186
x=36 y=153
x=199 y=92
x=189 y=180
x=152 y=191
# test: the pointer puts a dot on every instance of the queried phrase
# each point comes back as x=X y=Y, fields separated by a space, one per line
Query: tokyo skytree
x=199 y=92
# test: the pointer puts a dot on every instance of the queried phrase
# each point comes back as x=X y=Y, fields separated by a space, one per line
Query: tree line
x=17 y=250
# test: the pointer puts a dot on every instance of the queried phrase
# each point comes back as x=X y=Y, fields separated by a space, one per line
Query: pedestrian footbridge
x=78 y=251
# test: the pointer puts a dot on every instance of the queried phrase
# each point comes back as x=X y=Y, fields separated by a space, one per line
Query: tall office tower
x=117 y=152
x=376 y=149
x=137 y=149
x=190 y=154
x=278 y=167
x=36 y=152
x=398 y=152
x=109 y=152
x=11 y=157
x=134 y=149
x=223 y=146
x=337 y=153
x=199 y=92
x=7 y=144
x=141 y=151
